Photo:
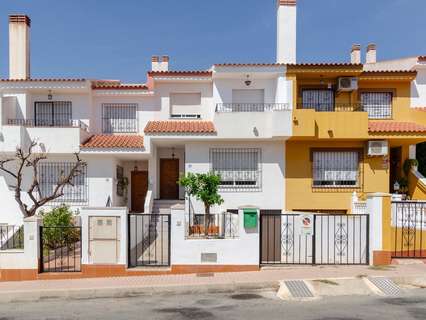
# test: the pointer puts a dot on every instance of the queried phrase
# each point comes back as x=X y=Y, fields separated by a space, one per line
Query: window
x=238 y=168
x=119 y=117
x=336 y=168
x=377 y=104
x=185 y=105
x=50 y=174
x=53 y=113
x=318 y=99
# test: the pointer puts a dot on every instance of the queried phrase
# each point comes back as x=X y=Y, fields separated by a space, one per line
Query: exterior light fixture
x=50 y=95
x=396 y=186
x=248 y=81
x=173 y=153
x=136 y=167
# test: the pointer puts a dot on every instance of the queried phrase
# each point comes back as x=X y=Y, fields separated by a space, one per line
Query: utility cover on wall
x=250 y=218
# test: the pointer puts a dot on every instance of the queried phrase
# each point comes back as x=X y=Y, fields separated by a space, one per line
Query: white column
x=32 y=241
x=412 y=151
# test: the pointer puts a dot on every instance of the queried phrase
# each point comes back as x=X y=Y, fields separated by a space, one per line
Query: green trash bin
x=250 y=218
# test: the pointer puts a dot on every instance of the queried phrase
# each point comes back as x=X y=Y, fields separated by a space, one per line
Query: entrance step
x=408 y=261
x=163 y=206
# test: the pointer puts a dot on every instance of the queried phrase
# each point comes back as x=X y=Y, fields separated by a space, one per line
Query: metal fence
x=409 y=224
x=11 y=237
x=149 y=240
x=220 y=225
x=60 y=249
x=251 y=107
x=336 y=239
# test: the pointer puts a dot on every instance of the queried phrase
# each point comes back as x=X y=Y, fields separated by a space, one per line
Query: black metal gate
x=336 y=239
x=60 y=249
x=149 y=240
x=409 y=229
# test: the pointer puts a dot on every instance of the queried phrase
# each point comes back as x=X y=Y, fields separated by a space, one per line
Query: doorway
x=169 y=175
x=395 y=166
x=139 y=186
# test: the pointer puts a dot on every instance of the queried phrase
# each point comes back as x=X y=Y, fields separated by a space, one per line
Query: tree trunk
x=206 y=219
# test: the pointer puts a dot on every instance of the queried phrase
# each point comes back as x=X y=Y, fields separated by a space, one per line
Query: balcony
x=253 y=120
x=374 y=111
x=58 y=137
x=330 y=121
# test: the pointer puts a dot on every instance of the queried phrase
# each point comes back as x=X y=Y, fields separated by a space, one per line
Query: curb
x=128 y=292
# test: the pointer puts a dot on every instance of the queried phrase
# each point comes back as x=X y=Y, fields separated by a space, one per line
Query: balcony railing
x=375 y=111
x=251 y=107
x=217 y=226
x=42 y=123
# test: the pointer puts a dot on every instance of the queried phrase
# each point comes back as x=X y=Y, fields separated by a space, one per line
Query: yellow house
x=352 y=132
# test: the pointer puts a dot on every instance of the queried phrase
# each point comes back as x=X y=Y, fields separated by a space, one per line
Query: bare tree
x=29 y=159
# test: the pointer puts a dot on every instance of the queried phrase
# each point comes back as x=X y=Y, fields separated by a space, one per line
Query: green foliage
x=58 y=228
x=204 y=187
x=408 y=164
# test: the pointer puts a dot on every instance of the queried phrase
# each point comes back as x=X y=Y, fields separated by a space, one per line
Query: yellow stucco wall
x=300 y=195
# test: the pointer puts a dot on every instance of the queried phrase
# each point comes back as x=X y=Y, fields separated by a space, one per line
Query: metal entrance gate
x=336 y=239
x=409 y=229
x=60 y=249
x=149 y=240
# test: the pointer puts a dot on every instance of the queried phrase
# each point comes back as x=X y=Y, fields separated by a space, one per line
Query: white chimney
x=286 y=31
x=19 y=47
x=356 y=54
x=158 y=65
x=371 y=53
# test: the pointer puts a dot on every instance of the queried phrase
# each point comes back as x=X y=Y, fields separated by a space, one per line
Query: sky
x=115 y=39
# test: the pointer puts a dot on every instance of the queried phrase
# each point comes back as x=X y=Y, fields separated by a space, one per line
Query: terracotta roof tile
x=205 y=73
x=180 y=127
x=325 y=64
x=393 y=126
x=249 y=64
x=43 y=79
x=101 y=141
x=119 y=86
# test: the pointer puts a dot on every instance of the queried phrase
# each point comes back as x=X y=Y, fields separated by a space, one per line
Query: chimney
x=286 y=31
x=160 y=66
x=371 y=53
x=356 y=54
x=19 y=47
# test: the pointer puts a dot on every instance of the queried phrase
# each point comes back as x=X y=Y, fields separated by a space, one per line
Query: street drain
x=386 y=285
x=298 y=289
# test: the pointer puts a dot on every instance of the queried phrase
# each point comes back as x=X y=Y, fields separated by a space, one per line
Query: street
x=239 y=305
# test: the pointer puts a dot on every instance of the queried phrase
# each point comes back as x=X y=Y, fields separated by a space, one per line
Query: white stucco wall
x=418 y=89
x=243 y=250
x=271 y=196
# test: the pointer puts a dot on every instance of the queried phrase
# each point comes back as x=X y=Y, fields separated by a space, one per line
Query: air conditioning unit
x=347 y=84
x=378 y=148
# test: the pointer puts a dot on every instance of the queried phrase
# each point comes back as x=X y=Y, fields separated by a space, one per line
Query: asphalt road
x=222 y=306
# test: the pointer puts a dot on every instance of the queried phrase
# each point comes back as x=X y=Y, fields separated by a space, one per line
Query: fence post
x=379 y=210
x=32 y=241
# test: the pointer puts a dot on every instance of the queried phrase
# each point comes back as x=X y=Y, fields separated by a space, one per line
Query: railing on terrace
x=374 y=111
x=11 y=237
x=218 y=226
x=251 y=107
x=47 y=123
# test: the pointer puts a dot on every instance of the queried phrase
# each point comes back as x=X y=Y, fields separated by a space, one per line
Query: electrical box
x=250 y=218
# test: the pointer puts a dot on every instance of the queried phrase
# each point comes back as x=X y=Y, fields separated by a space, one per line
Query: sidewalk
x=178 y=284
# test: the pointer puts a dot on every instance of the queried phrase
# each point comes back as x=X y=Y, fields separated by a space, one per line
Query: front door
x=169 y=175
x=395 y=166
x=139 y=185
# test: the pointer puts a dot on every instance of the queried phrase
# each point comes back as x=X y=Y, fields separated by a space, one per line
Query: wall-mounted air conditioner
x=378 y=148
x=347 y=84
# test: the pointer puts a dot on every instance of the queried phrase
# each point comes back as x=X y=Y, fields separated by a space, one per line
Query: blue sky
x=115 y=39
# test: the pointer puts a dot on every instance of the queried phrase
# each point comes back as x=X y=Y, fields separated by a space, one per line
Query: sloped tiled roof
x=249 y=64
x=201 y=73
x=180 y=127
x=103 y=141
x=119 y=86
x=393 y=126
x=43 y=80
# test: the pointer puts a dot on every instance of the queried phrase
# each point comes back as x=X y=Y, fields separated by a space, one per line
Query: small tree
x=29 y=159
x=204 y=187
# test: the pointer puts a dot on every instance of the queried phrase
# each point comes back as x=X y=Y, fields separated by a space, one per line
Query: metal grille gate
x=409 y=229
x=149 y=240
x=337 y=239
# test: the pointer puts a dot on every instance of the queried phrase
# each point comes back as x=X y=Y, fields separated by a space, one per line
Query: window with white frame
x=336 y=168
x=318 y=99
x=119 y=117
x=53 y=113
x=51 y=173
x=185 y=105
x=239 y=168
x=378 y=105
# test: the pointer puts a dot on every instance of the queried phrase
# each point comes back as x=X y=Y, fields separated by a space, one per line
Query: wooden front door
x=169 y=175
x=139 y=185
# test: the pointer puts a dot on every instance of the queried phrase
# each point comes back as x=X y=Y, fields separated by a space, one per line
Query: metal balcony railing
x=48 y=123
x=251 y=107
x=375 y=111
